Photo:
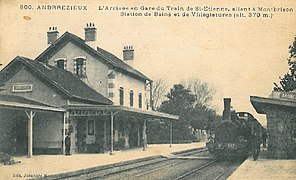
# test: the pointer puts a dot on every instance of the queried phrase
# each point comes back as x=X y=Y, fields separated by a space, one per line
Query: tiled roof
x=18 y=99
x=21 y=103
x=120 y=64
x=66 y=82
x=98 y=54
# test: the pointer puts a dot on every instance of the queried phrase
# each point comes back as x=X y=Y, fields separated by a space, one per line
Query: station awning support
x=112 y=132
x=171 y=133
x=30 y=115
x=65 y=119
x=144 y=135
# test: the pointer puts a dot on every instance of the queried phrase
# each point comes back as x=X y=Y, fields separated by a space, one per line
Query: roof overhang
x=28 y=107
x=21 y=103
x=261 y=104
x=93 y=110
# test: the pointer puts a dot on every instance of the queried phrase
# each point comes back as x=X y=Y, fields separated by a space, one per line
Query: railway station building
x=75 y=88
x=280 y=110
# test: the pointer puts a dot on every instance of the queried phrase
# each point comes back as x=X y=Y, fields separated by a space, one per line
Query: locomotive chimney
x=227 y=109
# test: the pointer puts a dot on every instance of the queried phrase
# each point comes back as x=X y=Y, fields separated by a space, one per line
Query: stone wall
x=96 y=71
x=7 y=129
x=281 y=132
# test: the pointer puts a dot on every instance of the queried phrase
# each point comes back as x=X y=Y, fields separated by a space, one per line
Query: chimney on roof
x=128 y=55
x=52 y=35
x=91 y=35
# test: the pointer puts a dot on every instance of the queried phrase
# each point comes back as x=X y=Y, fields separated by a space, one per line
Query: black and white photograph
x=148 y=89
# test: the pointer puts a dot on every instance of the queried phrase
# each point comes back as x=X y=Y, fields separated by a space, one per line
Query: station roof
x=21 y=103
x=92 y=110
x=66 y=82
x=261 y=104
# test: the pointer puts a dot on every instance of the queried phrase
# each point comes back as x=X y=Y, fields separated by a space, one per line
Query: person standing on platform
x=264 y=137
x=256 y=145
x=68 y=144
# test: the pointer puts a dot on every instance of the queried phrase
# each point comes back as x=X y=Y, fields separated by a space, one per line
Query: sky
x=238 y=57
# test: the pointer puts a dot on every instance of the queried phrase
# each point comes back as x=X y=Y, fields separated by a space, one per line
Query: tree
x=191 y=103
x=180 y=98
x=158 y=92
x=201 y=90
x=288 y=82
x=179 y=102
x=202 y=115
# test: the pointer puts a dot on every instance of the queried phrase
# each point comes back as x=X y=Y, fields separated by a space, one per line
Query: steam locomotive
x=236 y=135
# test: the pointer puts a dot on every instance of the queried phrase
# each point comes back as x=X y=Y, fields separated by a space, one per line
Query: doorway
x=21 y=137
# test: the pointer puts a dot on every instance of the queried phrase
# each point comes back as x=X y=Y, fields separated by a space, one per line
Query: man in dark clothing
x=68 y=144
x=256 y=145
x=264 y=137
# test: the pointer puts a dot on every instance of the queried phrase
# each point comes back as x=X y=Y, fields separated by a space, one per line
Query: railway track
x=158 y=167
x=109 y=170
x=157 y=170
x=191 y=152
x=215 y=170
x=194 y=171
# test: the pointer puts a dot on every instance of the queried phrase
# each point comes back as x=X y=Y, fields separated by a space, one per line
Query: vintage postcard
x=140 y=89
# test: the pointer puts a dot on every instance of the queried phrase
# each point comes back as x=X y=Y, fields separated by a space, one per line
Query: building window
x=140 y=100
x=121 y=96
x=61 y=64
x=80 y=66
x=110 y=94
x=131 y=98
x=91 y=127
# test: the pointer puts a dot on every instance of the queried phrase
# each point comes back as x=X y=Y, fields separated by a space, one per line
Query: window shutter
x=65 y=64
x=74 y=66
x=84 y=67
x=131 y=98
x=140 y=100
x=121 y=96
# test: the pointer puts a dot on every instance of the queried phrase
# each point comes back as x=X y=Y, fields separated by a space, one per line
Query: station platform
x=44 y=165
x=265 y=169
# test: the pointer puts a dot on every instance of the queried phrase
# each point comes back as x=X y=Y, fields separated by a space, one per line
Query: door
x=21 y=132
x=81 y=135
